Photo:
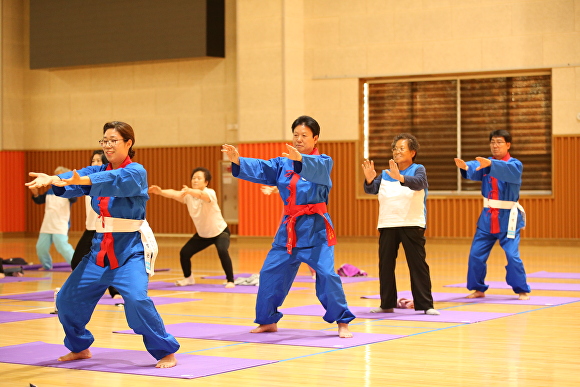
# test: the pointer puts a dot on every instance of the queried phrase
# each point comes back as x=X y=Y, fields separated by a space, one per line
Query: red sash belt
x=294 y=211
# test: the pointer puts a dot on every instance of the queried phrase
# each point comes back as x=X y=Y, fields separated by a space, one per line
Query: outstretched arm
x=196 y=193
x=167 y=193
x=44 y=180
x=41 y=180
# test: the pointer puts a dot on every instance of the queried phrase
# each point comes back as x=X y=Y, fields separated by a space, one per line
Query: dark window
x=453 y=118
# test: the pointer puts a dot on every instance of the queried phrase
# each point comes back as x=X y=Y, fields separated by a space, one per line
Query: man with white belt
x=502 y=216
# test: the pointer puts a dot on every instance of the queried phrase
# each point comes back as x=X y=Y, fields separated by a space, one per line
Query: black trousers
x=413 y=240
x=83 y=248
x=197 y=244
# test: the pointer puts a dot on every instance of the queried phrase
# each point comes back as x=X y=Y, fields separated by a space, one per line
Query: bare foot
x=167 y=362
x=85 y=354
x=18 y=274
x=118 y=296
x=524 y=296
x=230 y=285
x=2 y=275
x=265 y=328
x=476 y=294
x=381 y=310
x=42 y=269
x=343 y=331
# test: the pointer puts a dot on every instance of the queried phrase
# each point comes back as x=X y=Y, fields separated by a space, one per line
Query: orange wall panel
x=12 y=192
x=550 y=217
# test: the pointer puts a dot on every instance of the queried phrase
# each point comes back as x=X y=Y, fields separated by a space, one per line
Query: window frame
x=362 y=146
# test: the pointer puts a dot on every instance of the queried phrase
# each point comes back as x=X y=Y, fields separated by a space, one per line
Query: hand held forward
x=368 y=167
x=483 y=163
x=393 y=170
x=232 y=153
x=293 y=153
x=460 y=164
x=41 y=180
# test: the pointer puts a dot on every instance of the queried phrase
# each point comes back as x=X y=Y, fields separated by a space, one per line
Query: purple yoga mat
x=533 y=285
x=301 y=278
x=489 y=299
x=450 y=316
x=48 y=296
x=245 y=275
x=299 y=337
x=23 y=279
x=6 y=317
x=124 y=361
x=38 y=266
x=345 y=280
x=212 y=288
x=547 y=274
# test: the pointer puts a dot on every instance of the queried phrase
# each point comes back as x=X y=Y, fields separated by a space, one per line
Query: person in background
x=55 y=224
x=402 y=194
x=210 y=226
x=501 y=218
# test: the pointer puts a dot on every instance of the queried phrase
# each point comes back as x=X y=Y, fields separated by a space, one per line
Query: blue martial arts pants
x=279 y=271
x=477 y=267
x=85 y=286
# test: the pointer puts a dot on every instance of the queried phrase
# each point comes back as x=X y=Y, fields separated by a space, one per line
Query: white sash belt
x=150 y=249
x=507 y=205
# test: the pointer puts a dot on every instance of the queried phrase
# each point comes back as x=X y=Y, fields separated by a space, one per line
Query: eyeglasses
x=402 y=149
x=497 y=142
x=111 y=143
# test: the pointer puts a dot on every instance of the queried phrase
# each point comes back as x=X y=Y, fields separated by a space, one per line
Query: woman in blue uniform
x=121 y=244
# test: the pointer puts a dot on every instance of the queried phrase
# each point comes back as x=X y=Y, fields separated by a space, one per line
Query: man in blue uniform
x=502 y=216
x=302 y=177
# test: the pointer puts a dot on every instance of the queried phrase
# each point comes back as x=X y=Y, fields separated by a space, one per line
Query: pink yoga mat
x=48 y=296
x=6 y=317
x=533 y=285
x=124 y=361
x=488 y=299
x=299 y=337
x=450 y=316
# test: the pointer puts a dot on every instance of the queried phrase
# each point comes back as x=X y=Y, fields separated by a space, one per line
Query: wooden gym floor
x=536 y=346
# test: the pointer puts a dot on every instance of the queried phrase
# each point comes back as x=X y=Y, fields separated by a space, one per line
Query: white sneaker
x=185 y=282
x=432 y=312
x=254 y=280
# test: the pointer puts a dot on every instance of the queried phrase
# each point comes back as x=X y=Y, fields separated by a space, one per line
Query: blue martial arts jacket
x=126 y=190
x=312 y=187
x=501 y=181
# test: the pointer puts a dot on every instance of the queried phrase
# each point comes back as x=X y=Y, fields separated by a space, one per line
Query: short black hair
x=412 y=142
x=103 y=157
x=501 y=133
x=206 y=173
x=307 y=121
